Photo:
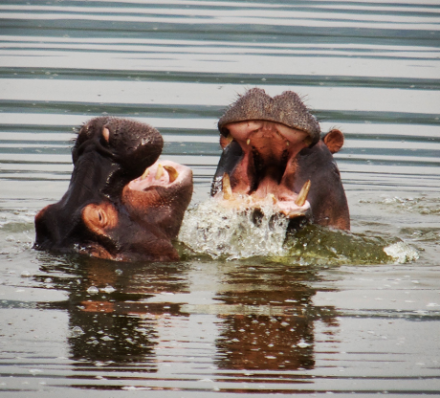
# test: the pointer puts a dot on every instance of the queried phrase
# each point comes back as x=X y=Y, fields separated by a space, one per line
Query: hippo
x=122 y=203
x=273 y=150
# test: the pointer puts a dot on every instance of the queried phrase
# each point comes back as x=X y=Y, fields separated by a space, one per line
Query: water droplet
x=93 y=290
x=109 y=289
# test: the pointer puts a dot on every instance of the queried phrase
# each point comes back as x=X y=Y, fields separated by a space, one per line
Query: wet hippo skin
x=122 y=204
x=273 y=150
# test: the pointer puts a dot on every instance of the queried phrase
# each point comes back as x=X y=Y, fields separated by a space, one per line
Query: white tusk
x=145 y=174
x=172 y=173
x=226 y=187
x=302 y=196
x=159 y=172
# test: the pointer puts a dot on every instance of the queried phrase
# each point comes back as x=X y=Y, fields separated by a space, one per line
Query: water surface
x=330 y=312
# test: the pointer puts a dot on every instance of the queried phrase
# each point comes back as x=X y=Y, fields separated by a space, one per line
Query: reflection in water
x=116 y=312
x=270 y=325
x=110 y=321
x=100 y=334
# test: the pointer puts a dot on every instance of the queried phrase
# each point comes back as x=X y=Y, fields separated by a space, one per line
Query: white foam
x=401 y=252
x=213 y=229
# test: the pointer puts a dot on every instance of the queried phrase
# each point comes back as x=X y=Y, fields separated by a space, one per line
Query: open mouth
x=267 y=166
x=163 y=173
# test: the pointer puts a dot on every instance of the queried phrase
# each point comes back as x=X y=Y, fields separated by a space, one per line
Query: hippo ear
x=334 y=140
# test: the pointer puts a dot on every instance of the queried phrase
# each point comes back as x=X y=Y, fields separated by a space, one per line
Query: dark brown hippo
x=121 y=204
x=273 y=150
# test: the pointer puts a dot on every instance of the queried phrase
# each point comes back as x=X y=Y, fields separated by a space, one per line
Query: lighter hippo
x=273 y=150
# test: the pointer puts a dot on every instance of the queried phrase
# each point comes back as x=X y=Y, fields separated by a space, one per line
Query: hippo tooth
x=226 y=187
x=172 y=173
x=274 y=199
x=248 y=141
x=106 y=133
x=229 y=139
x=302 y=196
x=159 y=172
x=145 y=174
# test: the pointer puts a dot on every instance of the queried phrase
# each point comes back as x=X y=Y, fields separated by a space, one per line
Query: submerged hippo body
x=121 y=203
x=272 y=149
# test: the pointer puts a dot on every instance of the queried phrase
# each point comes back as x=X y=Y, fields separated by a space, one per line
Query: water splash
x=238 y=233
x=222 y=232
x=401 y=252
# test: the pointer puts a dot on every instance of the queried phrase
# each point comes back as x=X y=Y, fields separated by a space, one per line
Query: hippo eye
x=100 y=217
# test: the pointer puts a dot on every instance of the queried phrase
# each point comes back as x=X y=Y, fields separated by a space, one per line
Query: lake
x=241 y=314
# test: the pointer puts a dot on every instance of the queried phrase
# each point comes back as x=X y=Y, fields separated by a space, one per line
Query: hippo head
x=121 y=204
x=273 y=151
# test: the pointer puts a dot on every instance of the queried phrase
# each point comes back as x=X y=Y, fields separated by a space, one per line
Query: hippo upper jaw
x=286 y=109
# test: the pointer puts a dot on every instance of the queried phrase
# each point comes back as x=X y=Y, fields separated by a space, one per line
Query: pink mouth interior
x=141 y=184
x=275 y=145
